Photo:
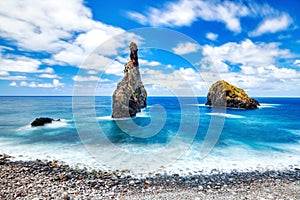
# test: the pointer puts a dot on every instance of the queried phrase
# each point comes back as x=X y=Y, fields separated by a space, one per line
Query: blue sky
x=48 y=47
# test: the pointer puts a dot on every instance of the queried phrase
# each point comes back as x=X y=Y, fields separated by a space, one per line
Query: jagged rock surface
x=130 y=95
x=42 y=121
x=223 y=94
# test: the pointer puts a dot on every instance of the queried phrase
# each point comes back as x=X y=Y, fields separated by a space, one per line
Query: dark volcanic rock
x=42 y=121
x=130 y=95
x=223 y=94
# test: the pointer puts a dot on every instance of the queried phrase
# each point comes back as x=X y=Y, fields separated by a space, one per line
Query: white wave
x=293 y=131
x=226 y=115
x=105 y=118
x=54 y=124
x=199 y=105
x=236 y=156
x=109 y=118
x=143 y=114
x=25 y=128
x=58 y=124
x=268 y=105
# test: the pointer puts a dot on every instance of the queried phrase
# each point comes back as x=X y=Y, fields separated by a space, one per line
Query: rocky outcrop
x=130 y=95
x=42 y=121
x=223 y=94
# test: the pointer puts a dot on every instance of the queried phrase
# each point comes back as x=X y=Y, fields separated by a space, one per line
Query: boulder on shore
x=130 y=95
x=223 y=94
x=42 y=121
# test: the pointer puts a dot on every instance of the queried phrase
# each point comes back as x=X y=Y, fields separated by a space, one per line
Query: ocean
x=172 y=135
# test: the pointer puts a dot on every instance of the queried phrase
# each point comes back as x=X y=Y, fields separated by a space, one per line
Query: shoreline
x=48 y=179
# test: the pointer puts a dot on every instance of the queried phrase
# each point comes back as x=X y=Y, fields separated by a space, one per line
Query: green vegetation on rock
x=223 y=94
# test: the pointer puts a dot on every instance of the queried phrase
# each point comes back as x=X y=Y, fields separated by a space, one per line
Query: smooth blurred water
x=266 y=137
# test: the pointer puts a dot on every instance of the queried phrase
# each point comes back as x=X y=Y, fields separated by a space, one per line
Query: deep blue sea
x=171 y=135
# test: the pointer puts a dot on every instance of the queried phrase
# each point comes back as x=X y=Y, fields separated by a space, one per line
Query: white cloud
x=187 y=73
x=19 y=64
x=92 y=72
x=4 y=73
x=96 y=62
x=256 y=68
x=5 y=48
x=297 y=63
x=272 y=25
x=64 y=29
x=85 y=78
x=51 y=76
x=183 y=81
x=13 y=78
x=149 y=63
x=22 y=64
x=55 y=83
x=246 y=53
x=212 y=36
x=24 y=83
x=185 y=12
x=45 y=25
x=270 y=71
x=13 y=84
x=186 y=48
x=115 y=68
x=81 y=51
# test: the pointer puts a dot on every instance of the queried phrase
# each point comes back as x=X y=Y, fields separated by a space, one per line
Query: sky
x=67 y=47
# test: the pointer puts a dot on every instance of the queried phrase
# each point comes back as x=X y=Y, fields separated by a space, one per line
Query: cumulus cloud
x=85 y=78
x=46 y=25
x=55 y=83
x=149 y=63
x=94 y=44
x=272 y=25
x=22 y=64
x=186 y=48
x=212 y=36
x=253 y=66
x=79 y=78
x=297 y=63
x=13 y=78
x=19 y=64
x=246 y=53
x=4 y=73
x=185 y=12
x=181 y=82
x=64 y=29
x=13 y=84
x=51 y=76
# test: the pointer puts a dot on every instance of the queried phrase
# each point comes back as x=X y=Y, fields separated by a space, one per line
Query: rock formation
x=130 y=95
x=42 y=121
x=223 y=94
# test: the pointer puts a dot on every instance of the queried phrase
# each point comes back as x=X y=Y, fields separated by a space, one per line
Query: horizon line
x=147 y=96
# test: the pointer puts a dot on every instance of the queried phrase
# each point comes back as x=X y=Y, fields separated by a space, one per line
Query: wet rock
x=130 y=95
x=42 y=121
x=223 y=94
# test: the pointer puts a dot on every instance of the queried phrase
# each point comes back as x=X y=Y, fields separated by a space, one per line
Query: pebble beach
x=50 y=180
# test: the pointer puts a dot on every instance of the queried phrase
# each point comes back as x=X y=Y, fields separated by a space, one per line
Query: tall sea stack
x=130 y=95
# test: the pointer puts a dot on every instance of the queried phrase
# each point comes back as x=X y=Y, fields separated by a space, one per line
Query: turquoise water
x=256 y=139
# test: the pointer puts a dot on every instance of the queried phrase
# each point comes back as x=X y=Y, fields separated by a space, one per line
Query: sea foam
x=268 y=105
x=226 y=115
